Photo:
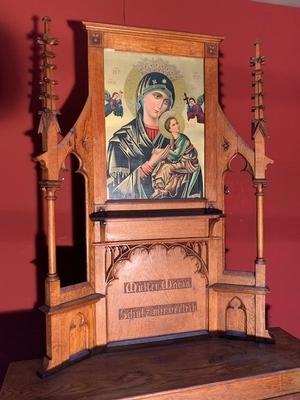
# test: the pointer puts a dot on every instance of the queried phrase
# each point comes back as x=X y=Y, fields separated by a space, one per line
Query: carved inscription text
x=157 y=310
x=157 y=285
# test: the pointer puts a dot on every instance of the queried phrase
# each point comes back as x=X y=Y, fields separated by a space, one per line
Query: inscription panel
x=157 y=285
x=157 y=310
x=156 y=291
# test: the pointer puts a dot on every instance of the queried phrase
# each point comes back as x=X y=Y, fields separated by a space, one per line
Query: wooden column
x=52 y=284
x=260 y=221
x=50 y=197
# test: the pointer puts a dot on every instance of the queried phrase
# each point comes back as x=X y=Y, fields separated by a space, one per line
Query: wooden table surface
x=204 y=368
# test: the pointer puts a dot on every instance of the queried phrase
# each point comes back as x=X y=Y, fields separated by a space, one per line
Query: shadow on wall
x=71 y=260
x=10 y=76
x=22 y=337
x=22 y=333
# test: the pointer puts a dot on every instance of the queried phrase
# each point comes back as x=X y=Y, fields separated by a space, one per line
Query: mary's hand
x=158 y=155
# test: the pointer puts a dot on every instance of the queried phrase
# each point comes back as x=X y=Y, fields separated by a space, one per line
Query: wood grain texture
x=143 y=302
x=131 y=257
x=207 y=369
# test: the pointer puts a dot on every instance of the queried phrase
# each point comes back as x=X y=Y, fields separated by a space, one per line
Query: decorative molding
x=95 y=39
x=212 y=223
x=102 y=215
x=226 y=144
x=113 y=255
x=245 y=289
x=73 y=304
x=248 y=167
x=211 y=50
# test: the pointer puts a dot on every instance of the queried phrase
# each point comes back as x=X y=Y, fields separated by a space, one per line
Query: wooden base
x=205 y=368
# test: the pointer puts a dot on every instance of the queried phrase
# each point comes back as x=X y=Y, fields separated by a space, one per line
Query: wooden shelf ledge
x=102 y=215
x=229 y=287
x=69 y=305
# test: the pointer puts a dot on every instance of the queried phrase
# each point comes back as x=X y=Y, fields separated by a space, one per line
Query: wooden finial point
x=46 y=19
x=47 y=67
x=258 y=96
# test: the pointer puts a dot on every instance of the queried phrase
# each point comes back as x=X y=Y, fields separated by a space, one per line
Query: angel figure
x=113 y=103
x=194 y=108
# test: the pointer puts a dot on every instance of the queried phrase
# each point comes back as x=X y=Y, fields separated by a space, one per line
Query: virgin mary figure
x=138 y=147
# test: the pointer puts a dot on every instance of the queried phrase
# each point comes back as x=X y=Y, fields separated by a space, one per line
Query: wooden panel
x=69 y=293
x=146 y=205
x=76 y=328
x=236 y=313
x=129 y=229
x=156 y=46
x=156 y=291
x=237 y=278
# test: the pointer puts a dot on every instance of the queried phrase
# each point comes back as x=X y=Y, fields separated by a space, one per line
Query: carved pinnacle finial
x=47 y=67
x=257 y=83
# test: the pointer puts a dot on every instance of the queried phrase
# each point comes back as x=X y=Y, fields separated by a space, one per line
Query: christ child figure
x=176 y=176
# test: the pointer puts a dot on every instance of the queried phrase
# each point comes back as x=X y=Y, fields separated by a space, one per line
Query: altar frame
x=171 y=235
x=155 y=44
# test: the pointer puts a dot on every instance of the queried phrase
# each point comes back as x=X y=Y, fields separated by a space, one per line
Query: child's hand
x=158 y=155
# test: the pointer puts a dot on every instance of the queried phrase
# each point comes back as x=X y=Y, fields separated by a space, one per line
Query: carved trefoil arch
x=236 y=317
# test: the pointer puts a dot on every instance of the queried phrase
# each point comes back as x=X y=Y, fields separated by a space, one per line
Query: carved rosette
x=95 y=39
x=226 y=144
x=211 y=50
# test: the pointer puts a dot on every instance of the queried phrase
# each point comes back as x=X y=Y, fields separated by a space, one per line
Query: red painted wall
x=241 y=22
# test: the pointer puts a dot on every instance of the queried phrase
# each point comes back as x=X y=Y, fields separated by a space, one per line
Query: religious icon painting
x=154 y=126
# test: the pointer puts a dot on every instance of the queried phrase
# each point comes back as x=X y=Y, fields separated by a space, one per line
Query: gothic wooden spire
x=48 y=127
x=258 y=96
x=48 y=67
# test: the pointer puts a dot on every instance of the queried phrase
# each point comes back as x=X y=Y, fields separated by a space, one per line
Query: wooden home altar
x=153 y=147
x=197 y=368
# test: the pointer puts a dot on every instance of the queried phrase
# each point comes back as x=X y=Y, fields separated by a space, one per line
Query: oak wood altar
x=155 y=231
x=206 y=369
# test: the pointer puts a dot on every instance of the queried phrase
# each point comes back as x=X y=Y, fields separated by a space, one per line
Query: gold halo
x=164 y=117
x=130 y=88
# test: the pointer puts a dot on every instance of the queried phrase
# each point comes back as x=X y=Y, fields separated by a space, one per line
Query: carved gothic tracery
x=116 y=254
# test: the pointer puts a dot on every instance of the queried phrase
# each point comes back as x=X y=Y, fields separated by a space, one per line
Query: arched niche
x=71 y=253
x=239 y=206
x=236 y=317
